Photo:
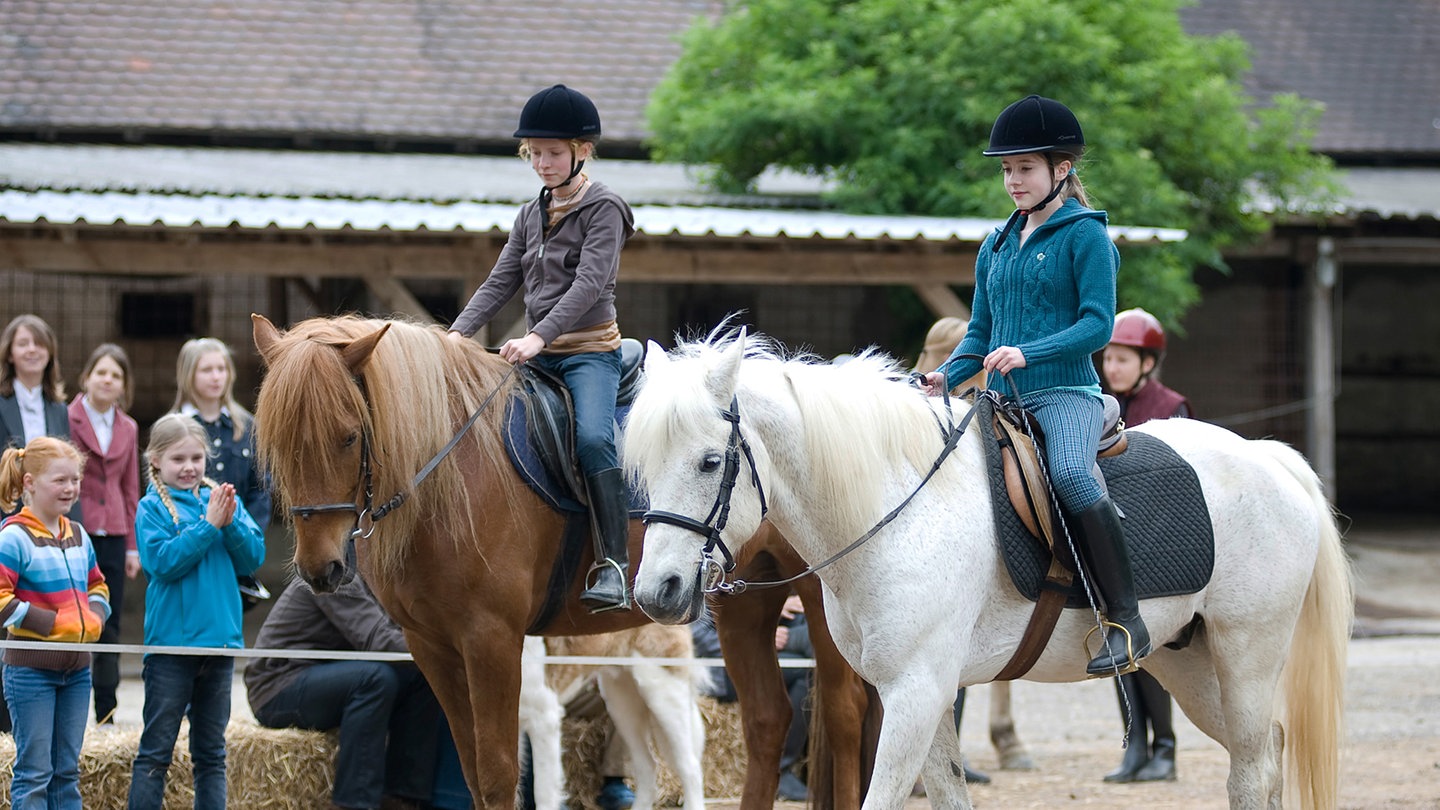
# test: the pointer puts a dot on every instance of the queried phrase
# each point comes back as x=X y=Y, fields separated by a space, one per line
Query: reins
x=713 y=573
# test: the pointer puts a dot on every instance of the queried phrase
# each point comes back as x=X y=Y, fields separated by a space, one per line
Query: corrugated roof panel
x=19 y=206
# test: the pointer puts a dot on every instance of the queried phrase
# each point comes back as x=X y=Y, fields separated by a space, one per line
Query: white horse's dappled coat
x=926 y=605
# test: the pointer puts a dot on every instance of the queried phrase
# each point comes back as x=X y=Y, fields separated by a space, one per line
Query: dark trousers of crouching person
x=386 y=715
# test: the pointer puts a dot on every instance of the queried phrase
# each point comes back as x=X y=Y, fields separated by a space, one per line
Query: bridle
x=712 y=571
x=367 y=514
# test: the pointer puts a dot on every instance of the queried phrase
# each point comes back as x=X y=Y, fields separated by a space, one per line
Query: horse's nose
x=328 y=580
x=668 y=602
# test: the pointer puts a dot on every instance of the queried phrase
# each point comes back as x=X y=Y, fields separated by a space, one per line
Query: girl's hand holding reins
x=1005 y=359
x=519 y=350
x=934 y=383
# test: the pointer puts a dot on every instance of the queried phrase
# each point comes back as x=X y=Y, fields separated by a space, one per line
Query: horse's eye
x=351 y=439
x=710 y=463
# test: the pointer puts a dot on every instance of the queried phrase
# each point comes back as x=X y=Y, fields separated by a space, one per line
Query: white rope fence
x=357 y=655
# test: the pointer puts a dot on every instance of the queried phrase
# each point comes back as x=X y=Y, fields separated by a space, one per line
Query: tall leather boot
x=1126 y=639
x=610 y=521
x=1132 y=714
x=1161 y=767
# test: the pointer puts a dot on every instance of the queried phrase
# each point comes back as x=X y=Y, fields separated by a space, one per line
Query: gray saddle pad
x=1167 y=525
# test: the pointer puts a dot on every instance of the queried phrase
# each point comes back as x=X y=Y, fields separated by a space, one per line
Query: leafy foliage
x=894 y=99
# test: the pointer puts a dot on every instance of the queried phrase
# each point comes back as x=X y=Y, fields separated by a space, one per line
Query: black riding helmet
x=1035 y=124
x=559 y=112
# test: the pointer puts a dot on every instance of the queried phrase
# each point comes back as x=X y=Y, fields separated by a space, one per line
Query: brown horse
x=350 y=410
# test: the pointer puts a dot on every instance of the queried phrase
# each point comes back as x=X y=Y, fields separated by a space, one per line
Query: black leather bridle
x=367 y=514
x=710 y=528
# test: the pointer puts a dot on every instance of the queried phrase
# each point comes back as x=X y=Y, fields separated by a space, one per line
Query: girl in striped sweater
x=51 y=589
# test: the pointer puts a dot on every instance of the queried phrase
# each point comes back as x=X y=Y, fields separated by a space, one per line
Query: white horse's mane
x=859 y=421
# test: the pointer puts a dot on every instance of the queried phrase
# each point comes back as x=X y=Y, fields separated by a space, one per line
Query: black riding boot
x=1126 y=639
x=1132 y=714
x=1161 y=766
x=610 y=519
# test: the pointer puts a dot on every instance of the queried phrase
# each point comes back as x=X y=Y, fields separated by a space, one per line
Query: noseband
x=714 y=572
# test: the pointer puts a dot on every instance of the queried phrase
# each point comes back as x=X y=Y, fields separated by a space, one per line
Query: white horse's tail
x=1314 y=678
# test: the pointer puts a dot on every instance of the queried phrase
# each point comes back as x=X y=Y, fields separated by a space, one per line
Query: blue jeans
x=177 y=686
x=369 y=701
x=48 y=709
x=1072 y=422
x=593 y=379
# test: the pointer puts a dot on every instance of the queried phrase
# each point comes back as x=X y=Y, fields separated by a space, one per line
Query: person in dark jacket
x=1130 y=363
x=389 y=720
x=564 y=251
x=32 y=400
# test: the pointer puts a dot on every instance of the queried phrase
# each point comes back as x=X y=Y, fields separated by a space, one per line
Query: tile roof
x=1375 y=64
x=460 y=70
x=450 y=70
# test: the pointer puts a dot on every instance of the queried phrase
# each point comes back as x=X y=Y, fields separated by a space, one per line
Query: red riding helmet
x=1139 y=329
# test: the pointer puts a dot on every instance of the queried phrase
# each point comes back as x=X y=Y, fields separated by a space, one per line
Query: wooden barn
x=166 y=168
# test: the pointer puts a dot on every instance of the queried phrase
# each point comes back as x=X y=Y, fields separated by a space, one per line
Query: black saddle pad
x=539 y=468
x=1167 y=525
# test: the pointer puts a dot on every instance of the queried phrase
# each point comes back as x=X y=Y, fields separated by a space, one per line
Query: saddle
x=549 y=416
x=539 y=437
x=1025 y=479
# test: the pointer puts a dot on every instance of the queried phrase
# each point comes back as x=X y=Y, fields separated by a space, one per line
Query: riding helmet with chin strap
x=560 y=112
x=1139 y=329
x=1035 y=124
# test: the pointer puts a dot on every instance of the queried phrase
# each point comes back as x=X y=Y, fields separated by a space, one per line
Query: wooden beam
x=395 y=297
x=942 y=301
x=665 y=262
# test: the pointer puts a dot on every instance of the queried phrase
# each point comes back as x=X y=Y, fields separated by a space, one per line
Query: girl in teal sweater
x=1044 y=304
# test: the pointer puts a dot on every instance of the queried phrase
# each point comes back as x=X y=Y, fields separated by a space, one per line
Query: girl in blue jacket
x=194 y=539
x=1044 y=304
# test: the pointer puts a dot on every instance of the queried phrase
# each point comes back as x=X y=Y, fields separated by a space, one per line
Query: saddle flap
x=551 y=424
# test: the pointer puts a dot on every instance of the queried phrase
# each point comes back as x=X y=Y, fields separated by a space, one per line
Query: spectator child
x=109 y=492
x=193 y=542
x=50 y=590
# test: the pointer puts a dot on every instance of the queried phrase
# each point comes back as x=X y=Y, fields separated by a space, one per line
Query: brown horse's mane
x=421 y=387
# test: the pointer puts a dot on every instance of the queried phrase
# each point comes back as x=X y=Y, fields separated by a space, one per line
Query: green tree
x=894 y=99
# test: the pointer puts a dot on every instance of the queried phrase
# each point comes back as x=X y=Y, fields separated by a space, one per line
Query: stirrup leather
x=592 y=578
x=1105 y=648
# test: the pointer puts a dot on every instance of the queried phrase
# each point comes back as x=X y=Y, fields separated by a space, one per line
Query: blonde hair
x=34 y=459
x=944 y=335
x=168 y=430
x=186 y=364
x=575 y=143
x=52 y=387
x=114 y=352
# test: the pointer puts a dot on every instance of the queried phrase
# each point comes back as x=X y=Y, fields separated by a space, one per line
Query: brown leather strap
x=1042 y=622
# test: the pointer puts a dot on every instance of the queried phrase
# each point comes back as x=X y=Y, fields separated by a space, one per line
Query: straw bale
x=266 y=769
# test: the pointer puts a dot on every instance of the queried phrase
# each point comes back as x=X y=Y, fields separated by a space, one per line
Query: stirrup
x=592 y=578
x=1104 y=648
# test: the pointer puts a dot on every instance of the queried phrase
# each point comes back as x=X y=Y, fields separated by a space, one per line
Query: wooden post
x=1320 y=376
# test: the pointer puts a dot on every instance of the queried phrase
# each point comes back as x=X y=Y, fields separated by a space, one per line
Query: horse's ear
x=266 y=336
x=725 y=376
x=356 y=352
x=655 y=356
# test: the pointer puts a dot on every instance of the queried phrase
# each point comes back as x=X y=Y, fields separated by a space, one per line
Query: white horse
x=648 y=703
x=926 y=604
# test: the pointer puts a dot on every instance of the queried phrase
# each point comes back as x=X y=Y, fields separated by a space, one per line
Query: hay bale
x=724 y=761
x=266 y=769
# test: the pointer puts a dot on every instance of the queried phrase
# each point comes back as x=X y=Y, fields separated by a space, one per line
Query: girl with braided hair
x=194 y=539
